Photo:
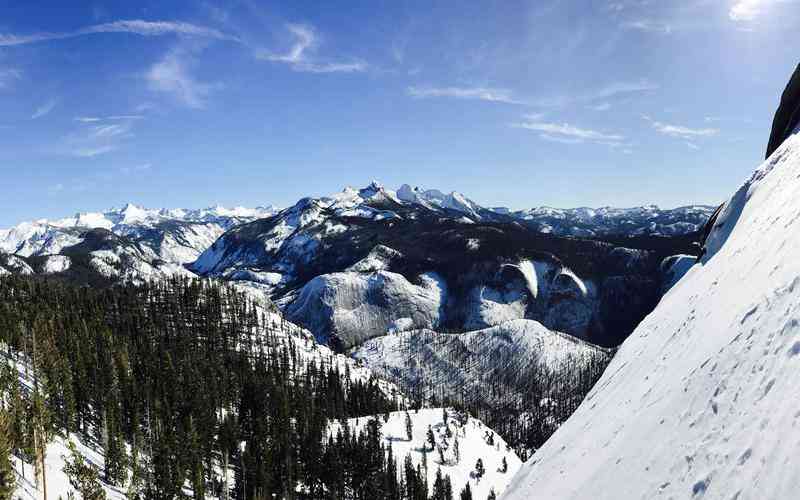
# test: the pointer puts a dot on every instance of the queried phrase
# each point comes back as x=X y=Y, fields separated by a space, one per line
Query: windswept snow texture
x=702 y=400
x=491 y=366
x=472 y=435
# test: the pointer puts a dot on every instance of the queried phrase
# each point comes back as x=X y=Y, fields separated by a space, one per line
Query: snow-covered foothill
x=702 y=400
x=473 y=444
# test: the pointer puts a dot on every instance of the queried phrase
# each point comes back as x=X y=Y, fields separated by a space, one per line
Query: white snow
x=56 y=264
x=471 y=434
x=702 y=400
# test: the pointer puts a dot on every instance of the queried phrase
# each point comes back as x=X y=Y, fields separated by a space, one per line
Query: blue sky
x=516 y=103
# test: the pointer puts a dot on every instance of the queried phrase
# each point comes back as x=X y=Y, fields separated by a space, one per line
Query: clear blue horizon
x=556 y=102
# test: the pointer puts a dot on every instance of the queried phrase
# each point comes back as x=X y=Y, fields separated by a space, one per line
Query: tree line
x=189 y=388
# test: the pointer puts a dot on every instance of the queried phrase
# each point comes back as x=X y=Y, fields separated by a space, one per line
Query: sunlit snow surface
x=702 y=400
x=473 y=445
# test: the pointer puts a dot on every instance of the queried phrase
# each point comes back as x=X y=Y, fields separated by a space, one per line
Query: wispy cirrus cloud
x=96 y=138
x=568 y=134
x=649 y=26
x=300 y=56
x=171 y=75
x=44 y=109
x=136 y=26
x=8 y=76
x=680 y=131
x=477 y=93
x=604 y=93
x=96 y=119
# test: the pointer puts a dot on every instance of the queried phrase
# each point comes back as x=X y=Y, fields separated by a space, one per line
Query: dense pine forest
x=178 y=381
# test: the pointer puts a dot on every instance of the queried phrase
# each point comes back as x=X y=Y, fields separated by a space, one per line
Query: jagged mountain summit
x=366 y=262
x=701 y=400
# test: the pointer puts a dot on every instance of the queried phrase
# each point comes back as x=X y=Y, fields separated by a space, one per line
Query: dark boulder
x=788 y=114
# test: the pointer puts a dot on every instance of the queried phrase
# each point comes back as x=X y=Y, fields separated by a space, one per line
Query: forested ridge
x=177 y=381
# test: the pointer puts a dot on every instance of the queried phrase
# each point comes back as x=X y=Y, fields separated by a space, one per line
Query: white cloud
x=300 y=55
x=692 y=146
x=603 y=106
x=478 y=93
x=681 y=131
x=8 y=76
x=569 y=134
x=604 y=93
x=98 y=137
x=136 y=26
x=95 y=119
x=44 y=109
x=170 y=75
x=648 y=26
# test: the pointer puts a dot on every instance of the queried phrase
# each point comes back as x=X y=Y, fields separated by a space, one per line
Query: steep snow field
x=702 y=400
x=472 y=437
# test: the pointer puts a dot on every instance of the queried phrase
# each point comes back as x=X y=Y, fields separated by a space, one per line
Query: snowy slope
x=283 y=333
x=471 y=434
x=489 y=366
x=702 y=400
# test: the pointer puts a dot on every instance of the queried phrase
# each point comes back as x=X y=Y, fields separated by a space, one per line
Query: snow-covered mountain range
x=701 y=401
x=364 y=262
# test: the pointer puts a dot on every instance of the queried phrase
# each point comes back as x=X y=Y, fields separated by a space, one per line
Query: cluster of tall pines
x=177 y=382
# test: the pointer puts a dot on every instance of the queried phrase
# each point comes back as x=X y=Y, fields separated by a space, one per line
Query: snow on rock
x=355 y=306
x=473 y=444
x=702 y=400
x=17 y=265
x=377 y=260
x=56 y=264
x=675 y=267
x=465 y=364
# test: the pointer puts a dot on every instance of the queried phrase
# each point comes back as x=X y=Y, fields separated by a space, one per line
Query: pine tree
x=504 y=466
x=479 y=470
x=7 y=479
x=83 y=477
x=466 y=493
x=431 y=439
x=492 y=495
x=456 y=451
x=409 y=427
x=438 y=487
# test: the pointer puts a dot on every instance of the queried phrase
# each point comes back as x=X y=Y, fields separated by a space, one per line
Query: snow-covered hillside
x=702 y=400
x=473 y=444
x=491 y=365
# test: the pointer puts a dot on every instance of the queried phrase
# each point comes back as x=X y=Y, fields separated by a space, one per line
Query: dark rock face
x=787 y=115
